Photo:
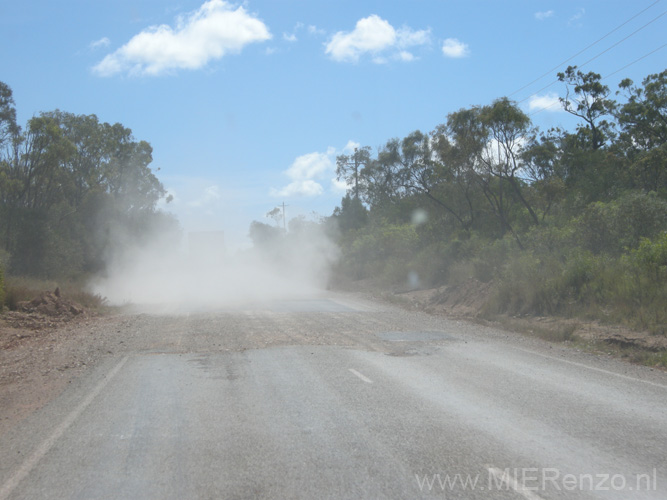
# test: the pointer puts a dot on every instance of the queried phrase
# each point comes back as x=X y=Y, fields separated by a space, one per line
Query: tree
x=506 y=129
x=643 y=118
x=408 y=168
x=351 y=214
x=456 y=148
x=71 y=186
x=544 y=169
x=278 y=216
x=8 y=127
x=590 y=102
x=643 y=123
x=263 y=236
x=349 y=166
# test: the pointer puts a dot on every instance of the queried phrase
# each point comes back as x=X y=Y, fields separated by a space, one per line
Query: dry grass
x=632 y=354
x=20 y=289
x=557 y=331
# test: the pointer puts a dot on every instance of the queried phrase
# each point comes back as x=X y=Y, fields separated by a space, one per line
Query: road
x=339 y=397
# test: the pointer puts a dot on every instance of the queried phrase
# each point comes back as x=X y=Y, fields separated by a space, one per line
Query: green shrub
x=526 y=286
x=432 y=264
x=366 y=252
x=620 y=224
x=645 y=286
x=491 y=258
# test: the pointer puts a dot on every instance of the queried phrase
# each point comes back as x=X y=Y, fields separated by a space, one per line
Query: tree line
x=71 y=188
x=544 y=214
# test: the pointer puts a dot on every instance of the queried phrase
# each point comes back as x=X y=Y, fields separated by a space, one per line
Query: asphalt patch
x=415 y=336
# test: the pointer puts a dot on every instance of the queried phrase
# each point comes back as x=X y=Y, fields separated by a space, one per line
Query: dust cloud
x=165 y=275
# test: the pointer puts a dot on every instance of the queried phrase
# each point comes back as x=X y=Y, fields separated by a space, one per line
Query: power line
x=544 y=108
x=624 y=39
x=601 y=53
x=607 y=76
x=635 y=61
x=584 y=50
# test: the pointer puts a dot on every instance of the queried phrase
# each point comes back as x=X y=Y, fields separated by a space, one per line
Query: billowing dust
x=203 y=275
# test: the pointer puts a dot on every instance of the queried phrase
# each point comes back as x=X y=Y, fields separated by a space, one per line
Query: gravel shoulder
x=465 y=301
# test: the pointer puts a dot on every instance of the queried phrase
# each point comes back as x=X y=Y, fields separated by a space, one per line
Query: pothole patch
x=415 y=336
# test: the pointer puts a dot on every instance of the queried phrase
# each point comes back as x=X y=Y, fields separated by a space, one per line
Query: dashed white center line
x=361 y=376
x=504 y=477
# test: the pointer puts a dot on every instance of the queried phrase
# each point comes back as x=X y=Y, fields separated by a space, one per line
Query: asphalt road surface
x=337 y=397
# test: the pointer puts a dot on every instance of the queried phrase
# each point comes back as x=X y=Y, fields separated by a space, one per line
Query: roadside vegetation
x=71 y=190
x=563 y=223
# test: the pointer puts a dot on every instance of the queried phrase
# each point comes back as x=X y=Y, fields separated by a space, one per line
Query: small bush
x=620 y=224
x=432 y=264
x=527 y=285
x=645 y=284
x=491 y=259
x=395 y=272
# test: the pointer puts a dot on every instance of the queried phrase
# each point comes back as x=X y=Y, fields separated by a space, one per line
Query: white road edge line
x=362 y=377
x=581 y=365
x=514 y=484
x=44 y=448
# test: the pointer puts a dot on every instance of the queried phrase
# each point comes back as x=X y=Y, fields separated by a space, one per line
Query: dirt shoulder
x=44 y=345
x=466 y=301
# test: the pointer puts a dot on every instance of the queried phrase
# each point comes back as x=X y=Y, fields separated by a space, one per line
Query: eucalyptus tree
x=508 y=130
x=545 y=170
x=70 y=186
x=457 y=146
x=643 y=118
x=643 y=123
x=348 y=167
x=588 y=99
x=8 y=126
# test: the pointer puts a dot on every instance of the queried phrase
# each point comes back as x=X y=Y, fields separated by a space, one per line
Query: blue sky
x=247 y=104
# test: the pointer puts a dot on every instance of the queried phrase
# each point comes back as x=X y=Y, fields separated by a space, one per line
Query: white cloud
x=541 y=16
x=305 y=187
x=350 y=147
x=408 y=38
x=291 y=37
x=314 y=30
x=452 y=47
x=102 y=42
x=374 y=35
x=310 y=165
x=573 y=21
x=211 y=32
x=548 y=102
x=339 y=186
x=304 y=172
x=309 y=172
x=405 y=56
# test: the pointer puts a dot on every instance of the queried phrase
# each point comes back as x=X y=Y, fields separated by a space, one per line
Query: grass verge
x=20 y=289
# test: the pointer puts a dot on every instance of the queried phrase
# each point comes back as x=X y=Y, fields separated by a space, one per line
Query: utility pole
x=356 y=174
x=284 y=225
x=355 y=164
